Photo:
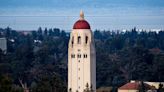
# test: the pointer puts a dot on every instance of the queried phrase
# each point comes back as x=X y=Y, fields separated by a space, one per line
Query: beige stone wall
x=81 y=70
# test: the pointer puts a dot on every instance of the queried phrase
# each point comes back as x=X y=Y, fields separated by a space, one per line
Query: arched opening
x=72 y=39
x=79 y=55
x=86 y=39
x=85 y=55
x=79 y=40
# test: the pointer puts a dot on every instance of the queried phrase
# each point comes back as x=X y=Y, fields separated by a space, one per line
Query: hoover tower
x=81 y=58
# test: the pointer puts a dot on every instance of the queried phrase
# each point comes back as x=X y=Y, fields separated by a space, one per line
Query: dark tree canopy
x=40 y=58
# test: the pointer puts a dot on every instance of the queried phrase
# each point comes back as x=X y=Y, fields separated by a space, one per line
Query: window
x=79 y=61
x=72 y=39
x=79 y=40
x=72 y=55
x=86 y=39
x=85 y=55
x=79 y=55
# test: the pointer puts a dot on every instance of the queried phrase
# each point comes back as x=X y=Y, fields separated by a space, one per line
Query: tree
x=46 y=31
x=40 y=34
x=40 y=31
x=142 y=87
x=24 y=86
x=8 y=32
x=5 y=83
x=160 y=89
x=50 y=32
x=56 y=32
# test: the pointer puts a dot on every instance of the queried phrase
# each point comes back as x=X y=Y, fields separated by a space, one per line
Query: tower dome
x=81 y=23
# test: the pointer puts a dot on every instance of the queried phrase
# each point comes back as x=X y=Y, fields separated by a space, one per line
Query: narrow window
x=72 y=39
x=79 y=55
x=85 y=55
x=79 y=40
x=86 y=39
x=72 y=55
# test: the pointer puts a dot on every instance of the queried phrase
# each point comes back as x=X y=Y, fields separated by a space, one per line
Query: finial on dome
x=81 y=15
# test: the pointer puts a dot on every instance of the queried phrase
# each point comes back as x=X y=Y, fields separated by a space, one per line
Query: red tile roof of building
x=135 y=86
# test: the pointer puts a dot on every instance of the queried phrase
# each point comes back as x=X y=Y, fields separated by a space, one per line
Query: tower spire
x=81 y=15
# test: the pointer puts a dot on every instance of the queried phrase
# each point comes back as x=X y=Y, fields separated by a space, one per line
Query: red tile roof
x=135 y=86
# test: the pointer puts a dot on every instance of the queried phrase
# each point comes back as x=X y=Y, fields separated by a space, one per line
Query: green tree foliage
x=40 y=58
x=142 y=87
x=5 y=84
x=161 y=88
x=131 y=55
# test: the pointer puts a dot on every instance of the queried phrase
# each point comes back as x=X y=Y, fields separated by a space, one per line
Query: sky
x=101 y=14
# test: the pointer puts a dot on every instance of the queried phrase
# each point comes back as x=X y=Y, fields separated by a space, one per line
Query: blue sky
x=101 y=14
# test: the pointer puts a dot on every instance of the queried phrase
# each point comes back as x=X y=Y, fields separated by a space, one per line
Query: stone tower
x=81 y=58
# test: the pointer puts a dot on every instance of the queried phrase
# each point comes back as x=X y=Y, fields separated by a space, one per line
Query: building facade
x=3 y=44
x=81 y=58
